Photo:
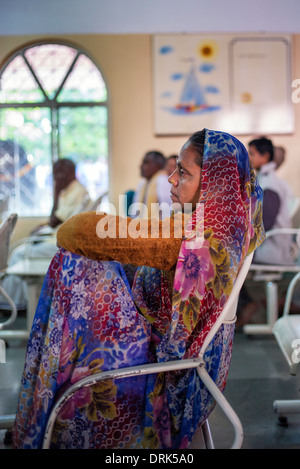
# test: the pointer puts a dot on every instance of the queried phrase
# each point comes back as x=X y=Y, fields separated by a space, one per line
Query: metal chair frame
x=287 y=333
x=271 y=275
x=6 y=230
x=228 y=315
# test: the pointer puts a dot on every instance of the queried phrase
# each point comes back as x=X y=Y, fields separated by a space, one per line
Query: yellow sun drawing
x=246 y=97
x=208 y=50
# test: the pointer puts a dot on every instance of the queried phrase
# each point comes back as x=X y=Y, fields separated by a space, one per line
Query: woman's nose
x=172 y=179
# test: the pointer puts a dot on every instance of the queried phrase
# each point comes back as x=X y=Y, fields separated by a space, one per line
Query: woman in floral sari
x=90 y=318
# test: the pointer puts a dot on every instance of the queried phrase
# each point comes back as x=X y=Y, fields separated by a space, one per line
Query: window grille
x=53 y=104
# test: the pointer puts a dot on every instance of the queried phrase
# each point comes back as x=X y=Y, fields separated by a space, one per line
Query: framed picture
x=237 y=84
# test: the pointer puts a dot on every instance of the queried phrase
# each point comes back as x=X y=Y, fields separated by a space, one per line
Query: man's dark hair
x=197 y=140
x=66 y=164
x=157 y=157
x=263 y=145
x=172 y=157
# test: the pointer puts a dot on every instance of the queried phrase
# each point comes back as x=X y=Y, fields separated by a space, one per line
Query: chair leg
x=7 y=421
x=13 y=315
x=8 y=437
x=271 y=310
x=202 y=438
x=284 y=408
x=224 y=405
x=209 y=444
x=272 y=303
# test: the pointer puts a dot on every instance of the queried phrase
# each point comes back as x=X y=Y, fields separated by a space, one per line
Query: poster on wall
x=237 y=84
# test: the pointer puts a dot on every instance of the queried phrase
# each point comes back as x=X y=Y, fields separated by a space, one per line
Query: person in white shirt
x=276 y=203
x=276 y=214
x=69 y=197
x=69 y=193
x=154 y=188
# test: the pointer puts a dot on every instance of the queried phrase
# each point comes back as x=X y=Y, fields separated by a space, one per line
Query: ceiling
x=24 y=17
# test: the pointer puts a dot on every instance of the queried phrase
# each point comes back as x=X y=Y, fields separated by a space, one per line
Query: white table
x=33 y=271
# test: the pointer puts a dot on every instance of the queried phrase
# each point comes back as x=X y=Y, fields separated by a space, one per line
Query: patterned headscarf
x=225 y=227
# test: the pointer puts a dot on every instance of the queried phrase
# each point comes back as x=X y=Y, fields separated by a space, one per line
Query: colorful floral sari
x=90 y=319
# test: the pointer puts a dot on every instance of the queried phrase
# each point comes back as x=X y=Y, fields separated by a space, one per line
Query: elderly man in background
x=70 y=197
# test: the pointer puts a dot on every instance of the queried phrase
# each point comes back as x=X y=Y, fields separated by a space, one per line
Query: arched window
x=53 y=104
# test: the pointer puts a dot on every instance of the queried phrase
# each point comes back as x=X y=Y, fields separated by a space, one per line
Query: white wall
x=147 y=16
x=108 y=30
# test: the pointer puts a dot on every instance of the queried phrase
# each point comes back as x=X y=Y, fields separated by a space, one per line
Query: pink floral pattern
x=194 y=269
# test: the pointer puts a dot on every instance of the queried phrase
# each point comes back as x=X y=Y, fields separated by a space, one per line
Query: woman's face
x=186 y=179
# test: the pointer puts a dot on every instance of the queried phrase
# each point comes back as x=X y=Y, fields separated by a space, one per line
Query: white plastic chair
x=4 y=204
x=271 y=275
x=287 y=333
x=97 y=202
x=23 y=251
x=46 y=232
x=228 y=315
x=6 y=230
x=294 y=207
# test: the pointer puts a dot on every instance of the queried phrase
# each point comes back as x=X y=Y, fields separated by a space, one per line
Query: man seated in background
x=154 y=187
x=276 y=214
x=70 y=197
x=276 y=203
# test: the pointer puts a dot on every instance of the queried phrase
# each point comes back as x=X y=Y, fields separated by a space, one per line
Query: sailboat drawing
x=192 y=99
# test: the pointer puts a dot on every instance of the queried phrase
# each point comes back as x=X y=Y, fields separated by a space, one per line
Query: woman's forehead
x=187 y=156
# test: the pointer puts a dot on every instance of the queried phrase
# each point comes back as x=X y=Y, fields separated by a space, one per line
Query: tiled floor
x=10 y=376
x=258 y=375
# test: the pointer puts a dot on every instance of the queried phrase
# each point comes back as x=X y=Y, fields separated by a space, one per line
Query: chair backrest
x=294 y=234
x=277 y=231
x=4 y=202
x=289 y=294
x=294 y=206
x=229 y=311
x=94 y=205
x=287 y=329
x=6 y=230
